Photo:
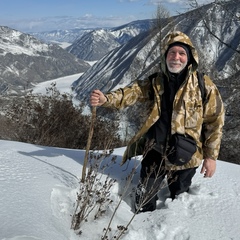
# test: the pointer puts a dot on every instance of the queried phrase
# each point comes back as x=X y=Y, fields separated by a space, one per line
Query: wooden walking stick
x=90 y=134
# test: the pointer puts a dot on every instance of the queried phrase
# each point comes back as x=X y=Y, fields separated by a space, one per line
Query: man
x=178 y=111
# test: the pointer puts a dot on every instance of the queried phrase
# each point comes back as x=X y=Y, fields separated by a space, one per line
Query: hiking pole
x=90 y=134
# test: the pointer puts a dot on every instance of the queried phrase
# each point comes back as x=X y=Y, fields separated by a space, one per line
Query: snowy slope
x=38 y=186
x=63 y=84
x=29 y=183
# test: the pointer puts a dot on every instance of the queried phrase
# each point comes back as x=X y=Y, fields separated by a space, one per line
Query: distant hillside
x=26 y=60
x=60 y=36
x=97 y=43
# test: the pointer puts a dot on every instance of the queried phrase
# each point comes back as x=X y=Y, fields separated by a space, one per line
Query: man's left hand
x=208 y=167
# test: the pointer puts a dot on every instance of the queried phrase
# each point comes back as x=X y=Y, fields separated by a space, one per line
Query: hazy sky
x=108 y=13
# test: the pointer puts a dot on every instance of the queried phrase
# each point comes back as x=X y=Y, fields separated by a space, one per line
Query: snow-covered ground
x=39 y=184
x=38 y=187
x=63 y=84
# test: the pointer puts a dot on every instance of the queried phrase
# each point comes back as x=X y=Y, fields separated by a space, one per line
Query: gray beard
x=174 y=70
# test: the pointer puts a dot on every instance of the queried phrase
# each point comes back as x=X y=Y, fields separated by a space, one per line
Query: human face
x=176 y=59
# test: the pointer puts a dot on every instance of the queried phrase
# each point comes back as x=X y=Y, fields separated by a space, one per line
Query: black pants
x=153 y=168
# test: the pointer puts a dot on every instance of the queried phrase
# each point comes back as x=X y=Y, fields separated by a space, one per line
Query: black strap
x=201 y=84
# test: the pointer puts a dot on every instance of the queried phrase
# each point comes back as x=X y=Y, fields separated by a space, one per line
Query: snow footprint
x=180 y=234
x=171 y=233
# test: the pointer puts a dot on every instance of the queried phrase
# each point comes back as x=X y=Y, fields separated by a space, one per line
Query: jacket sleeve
x=139 y=90
x=213 y=122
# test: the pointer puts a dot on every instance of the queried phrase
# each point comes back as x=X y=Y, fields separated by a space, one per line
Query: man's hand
x=208 y=167
x=97 y=98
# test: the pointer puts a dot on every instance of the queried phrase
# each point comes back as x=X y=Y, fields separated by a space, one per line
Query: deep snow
x=38 y=190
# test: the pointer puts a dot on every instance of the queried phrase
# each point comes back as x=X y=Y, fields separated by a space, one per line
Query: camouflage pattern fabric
x=203 y=123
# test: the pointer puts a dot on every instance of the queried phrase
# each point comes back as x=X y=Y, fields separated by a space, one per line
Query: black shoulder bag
x=181 y=149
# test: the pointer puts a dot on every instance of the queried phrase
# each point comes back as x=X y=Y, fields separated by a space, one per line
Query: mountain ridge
x=26 y=60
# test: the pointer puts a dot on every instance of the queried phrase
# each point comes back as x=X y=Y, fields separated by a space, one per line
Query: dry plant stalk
x=88 y=144
x=93 y=197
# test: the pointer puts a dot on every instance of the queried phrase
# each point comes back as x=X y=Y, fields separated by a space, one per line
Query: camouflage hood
x=182 y=38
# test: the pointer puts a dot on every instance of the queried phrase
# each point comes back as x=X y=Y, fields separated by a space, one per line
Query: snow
x=63 y=45
x=39 y=185
x=31 y=47
x=63 y=84
x=38 y=190
x=18 y=50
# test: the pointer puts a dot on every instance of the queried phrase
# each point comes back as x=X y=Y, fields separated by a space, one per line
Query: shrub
x=53 y=120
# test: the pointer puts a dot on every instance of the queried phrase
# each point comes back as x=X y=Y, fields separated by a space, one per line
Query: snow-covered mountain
x=97 y=43
x=93 y=45
x=25 y=60
x=61 y=36
x=52 y=23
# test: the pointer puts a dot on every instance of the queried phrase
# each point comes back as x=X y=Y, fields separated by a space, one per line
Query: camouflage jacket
x=190 y=116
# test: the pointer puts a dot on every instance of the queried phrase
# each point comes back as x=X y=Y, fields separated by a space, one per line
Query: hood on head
x=172 y=38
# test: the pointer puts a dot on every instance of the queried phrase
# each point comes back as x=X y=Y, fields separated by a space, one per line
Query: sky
x=39 y=187
x=30 y=15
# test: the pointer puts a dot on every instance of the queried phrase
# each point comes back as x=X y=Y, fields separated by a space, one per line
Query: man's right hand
x=97 y=98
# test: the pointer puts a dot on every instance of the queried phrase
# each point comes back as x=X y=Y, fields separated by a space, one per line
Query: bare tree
x=163 y=22
x=210 y=23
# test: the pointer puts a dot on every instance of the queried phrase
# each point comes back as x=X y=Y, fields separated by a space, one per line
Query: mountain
x=26 y=60
x=94 y=45
x=61 y=36
x=62 y=22
x=117 y=67
x=218 y=47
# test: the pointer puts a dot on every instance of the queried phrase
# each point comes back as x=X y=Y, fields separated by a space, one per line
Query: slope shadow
x=126 y=176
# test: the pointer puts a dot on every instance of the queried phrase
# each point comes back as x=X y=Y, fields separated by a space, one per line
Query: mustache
x=178 y=62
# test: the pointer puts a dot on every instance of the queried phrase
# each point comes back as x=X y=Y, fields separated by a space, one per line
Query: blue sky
x=29 y=13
